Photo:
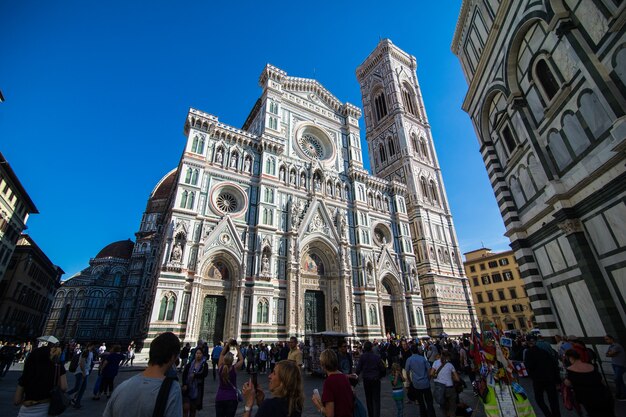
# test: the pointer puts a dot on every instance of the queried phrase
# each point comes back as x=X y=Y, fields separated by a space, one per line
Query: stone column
x=195 y=313
x=593 y=276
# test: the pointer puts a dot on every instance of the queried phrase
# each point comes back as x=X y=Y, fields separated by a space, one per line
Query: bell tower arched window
x=424 y=186
x=546 y=78
x=392 y=148
x=407 y=100
x=380 y=105
x=433 y=192
x=383 y=154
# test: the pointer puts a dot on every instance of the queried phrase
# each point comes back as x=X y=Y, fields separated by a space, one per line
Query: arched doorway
x=390 y=294
x=320 y=288
x=217 y=298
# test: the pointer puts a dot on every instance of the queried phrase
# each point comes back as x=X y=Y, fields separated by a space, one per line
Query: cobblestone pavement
x=93 y=408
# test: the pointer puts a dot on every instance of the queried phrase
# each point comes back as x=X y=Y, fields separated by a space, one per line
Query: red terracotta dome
x=122 y=249
x=164 y=187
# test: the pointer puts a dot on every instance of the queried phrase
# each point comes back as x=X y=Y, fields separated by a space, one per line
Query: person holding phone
x=337 y=398
x=226 y=397
x=285 y=384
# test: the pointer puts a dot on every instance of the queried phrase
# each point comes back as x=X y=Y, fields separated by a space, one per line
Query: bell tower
x=401 y=148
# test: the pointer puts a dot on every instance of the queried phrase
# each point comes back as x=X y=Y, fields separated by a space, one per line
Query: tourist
x=337 y=399
x=215 y=357
x=194 y=374
x=137 y=396
x=295 y=354
x=372 y=369
x=544 y=371
x=444 y=373
x=226 y=396
x=588 y=387
x=618 y=361
x=108 y=370
x=418 y=372
x=397 y=387
x=85 y=365
x=285 y=384
x=42 y=372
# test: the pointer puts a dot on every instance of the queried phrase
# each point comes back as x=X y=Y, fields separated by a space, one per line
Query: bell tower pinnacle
x=401 y=148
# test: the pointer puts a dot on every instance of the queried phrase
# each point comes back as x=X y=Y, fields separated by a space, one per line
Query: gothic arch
x=323 y=248
x=512 y=53
x=485 y=123
x=391 y=282
x=221 y=266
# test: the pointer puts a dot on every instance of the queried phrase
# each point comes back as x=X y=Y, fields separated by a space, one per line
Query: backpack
x=161 y=401
x=74 y=362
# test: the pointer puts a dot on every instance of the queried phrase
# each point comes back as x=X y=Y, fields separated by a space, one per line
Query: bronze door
x=314 y=315
x=390 y=322
x=213 y=318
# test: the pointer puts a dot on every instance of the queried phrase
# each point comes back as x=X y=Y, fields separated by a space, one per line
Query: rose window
x=226 y=202
x=311 y=146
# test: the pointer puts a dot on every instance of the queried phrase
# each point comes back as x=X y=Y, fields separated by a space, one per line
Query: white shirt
x=445 y=374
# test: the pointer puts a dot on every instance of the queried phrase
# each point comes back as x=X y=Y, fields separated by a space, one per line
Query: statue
x=318 y=184
x=295 y=213
x=265 y=265
x=303 y=180
x=177 y=252
x=219 y=156
x=281 y=174
x=246 y=165
x=292 y=178
x=233 y=161
x=343 y=227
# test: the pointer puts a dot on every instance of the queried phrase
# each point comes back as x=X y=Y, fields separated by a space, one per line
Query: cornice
x=460 y=27
x=376 y=183
x=300 y=84
x=384 y=47
x=271 y=72
x=210 y=124
x=309 y=85
x=483 y=60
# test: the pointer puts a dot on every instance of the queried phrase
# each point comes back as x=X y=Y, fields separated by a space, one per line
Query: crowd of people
x=428 y=372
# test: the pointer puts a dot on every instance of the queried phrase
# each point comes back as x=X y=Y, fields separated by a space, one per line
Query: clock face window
x=311 y=146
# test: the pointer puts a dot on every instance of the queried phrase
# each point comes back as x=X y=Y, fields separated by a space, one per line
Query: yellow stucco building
x=498 y=290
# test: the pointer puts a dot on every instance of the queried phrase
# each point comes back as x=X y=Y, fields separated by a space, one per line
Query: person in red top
x=337 y=398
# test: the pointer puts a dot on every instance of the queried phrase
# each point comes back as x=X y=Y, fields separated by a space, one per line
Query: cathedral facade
x=276 y=229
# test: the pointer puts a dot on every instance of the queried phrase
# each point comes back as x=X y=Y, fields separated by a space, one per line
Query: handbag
x=58 y=400
x=238 y=391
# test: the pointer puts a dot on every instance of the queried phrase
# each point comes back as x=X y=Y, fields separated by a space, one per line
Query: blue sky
x=97 y=94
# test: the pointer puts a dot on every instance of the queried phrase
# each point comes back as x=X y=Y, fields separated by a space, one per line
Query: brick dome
x=122 y=249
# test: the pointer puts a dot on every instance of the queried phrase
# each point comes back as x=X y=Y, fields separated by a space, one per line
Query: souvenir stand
x=318 y=342
x=497 y=381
